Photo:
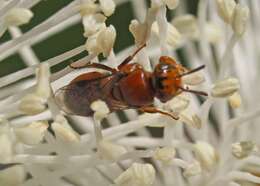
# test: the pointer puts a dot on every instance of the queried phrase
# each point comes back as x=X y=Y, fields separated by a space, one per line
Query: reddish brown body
x=128 y=86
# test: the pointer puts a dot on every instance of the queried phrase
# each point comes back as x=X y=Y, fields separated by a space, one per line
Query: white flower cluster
x=100 y=38
x=214 y=142
x=234 y=14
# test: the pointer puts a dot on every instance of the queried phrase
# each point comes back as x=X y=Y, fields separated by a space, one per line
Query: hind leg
x=94 y=65
x=129 y=58
x=152 y=109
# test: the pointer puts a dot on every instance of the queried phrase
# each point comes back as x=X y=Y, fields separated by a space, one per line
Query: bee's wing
x=77 y=97
x=60 y=98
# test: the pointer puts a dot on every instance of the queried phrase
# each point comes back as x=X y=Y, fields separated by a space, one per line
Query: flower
x=137 y=174
x=15 y=17
x=34 y=103
x=215 y=141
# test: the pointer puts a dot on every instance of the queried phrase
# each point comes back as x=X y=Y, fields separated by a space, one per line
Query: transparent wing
x=76 y=97
x=61 y=100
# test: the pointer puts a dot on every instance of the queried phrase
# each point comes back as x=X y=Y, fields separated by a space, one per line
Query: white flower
x=88 y=8
x=178 y=103
x=15 y=17
x=192 y=170
x=190 y=119
x=100 y=108
x=18 y=16
x=243 y=149
x=235 y=100
x=226 y=9
x=225 y=88
x=206 y=154
x=96 y=153
x=102 y=42
x=240 y=18
x=31 y=134
x=63 y=130
x=110 y=151
x=137 y=175
x=93 y=23
x=139 y=31
x=186 y=25
x=106 y=39
x=35 y=102
x=165 y=154
x=195 y=78
x=107 y=6
x=32 y=104
x=173 y=36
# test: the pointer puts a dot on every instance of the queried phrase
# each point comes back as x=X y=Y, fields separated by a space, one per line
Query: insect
x=124 y=87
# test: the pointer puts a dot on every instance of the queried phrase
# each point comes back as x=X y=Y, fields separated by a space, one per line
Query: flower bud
x=195 y=78
x=18 y=16
x=32 y=104
x=226 y=9
x=178 y=103
x=92 y=46
x=235 y=100
x=206 y=154
x=63 y=130
x=191 y=120
x=196 y=121
x=243 y=149
x=186 y=25
x=137 y=175
x=165 y=154
x=31 y=134
x=192 y=170
x=225 y=88
x=173 y=36
x=100 y=108
x=139 y=31
x=107 y=6
x=106 y=39
x=110 y=151
x=88 y=9
x=93 y=24
x=35 y=103
x=240 y=19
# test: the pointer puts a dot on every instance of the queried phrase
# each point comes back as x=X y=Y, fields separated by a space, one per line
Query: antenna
x=191 y=71
x=194 y=91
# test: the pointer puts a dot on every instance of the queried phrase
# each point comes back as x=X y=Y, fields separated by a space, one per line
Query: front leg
x=152 y=109
x=130 y=58
x=94 y=65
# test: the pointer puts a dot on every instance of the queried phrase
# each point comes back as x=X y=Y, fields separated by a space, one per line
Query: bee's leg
x=193 y=91
x=151 y=109
x=4 y=166
x=94 y=65
x=129 y=58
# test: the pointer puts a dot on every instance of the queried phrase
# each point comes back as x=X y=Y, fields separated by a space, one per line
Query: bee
x=127 y=86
